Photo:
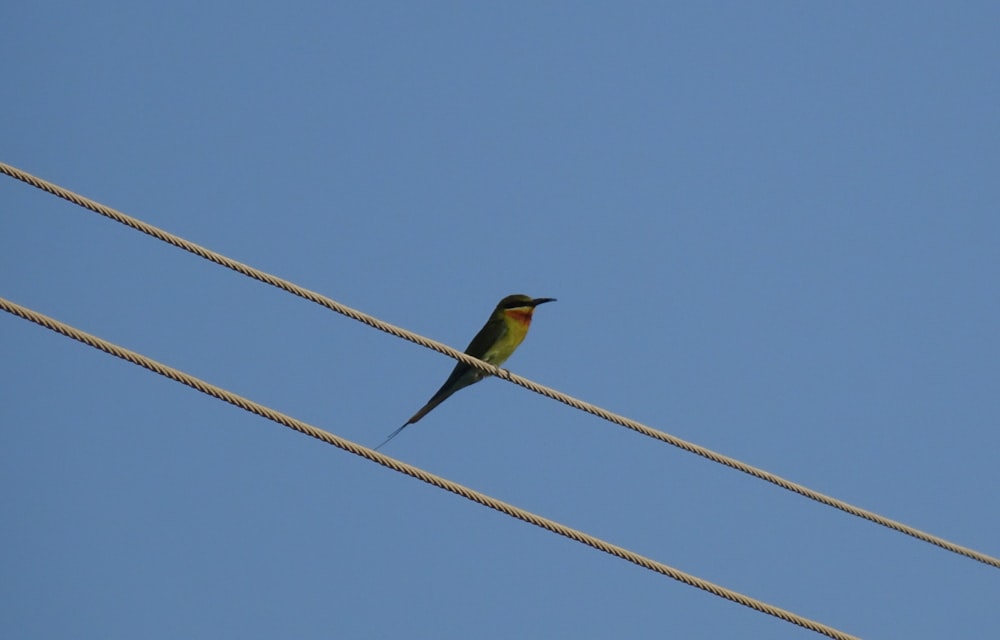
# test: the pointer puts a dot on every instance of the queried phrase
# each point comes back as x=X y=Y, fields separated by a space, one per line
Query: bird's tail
x=393 y=435
x=461 y=377
x=435 y=401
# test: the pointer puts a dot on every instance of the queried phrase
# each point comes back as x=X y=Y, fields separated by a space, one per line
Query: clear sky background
x=773 y=230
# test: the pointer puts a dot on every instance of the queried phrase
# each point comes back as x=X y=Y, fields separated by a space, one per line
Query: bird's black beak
x=538 y=301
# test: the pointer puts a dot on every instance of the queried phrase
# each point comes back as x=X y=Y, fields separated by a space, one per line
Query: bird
x=495 y=342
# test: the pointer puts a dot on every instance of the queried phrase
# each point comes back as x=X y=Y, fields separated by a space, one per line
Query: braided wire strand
x=415 y=472
x=548 y=392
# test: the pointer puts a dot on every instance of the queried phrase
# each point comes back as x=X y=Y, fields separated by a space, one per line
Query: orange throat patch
x=521 y=315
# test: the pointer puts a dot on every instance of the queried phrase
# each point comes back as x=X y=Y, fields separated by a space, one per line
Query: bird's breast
x=515 y=328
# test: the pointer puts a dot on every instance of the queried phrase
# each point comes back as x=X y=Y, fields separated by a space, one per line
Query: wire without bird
x=371 y=321
x=415 y=472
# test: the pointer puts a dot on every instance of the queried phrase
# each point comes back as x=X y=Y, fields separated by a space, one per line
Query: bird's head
x=520 y=306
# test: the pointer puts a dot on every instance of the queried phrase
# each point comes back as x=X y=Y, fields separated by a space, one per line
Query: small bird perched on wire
x=495 y=342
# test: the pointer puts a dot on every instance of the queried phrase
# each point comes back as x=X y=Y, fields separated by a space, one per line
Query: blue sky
x=773 y=230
